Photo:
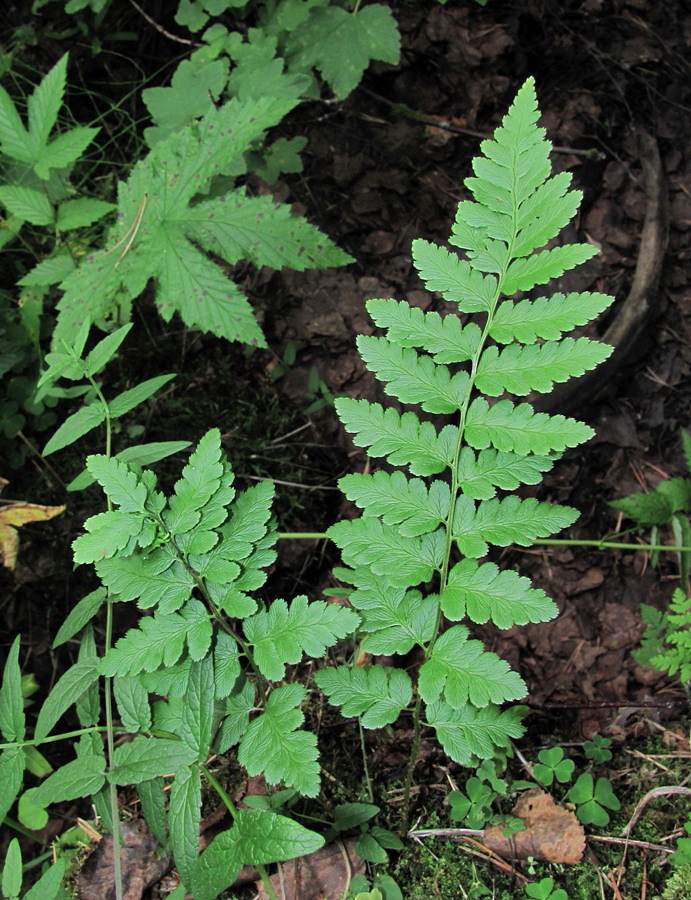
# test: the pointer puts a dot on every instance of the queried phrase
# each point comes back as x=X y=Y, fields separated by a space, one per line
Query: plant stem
x=14 y=745
x=302 y=535
x=368 y=780
x=230 y=806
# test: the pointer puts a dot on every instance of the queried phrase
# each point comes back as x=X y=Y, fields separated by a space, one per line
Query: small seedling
x=553 y=766
x=597 y=749
x=591 y=797
x=545 y=890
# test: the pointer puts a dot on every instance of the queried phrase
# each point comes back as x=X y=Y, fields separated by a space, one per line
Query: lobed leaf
x=469 y=732
x=406 y=502
x=546 y=317
x=145 y=758
x=508 y=427
x=455 y=278
x=523 y=274
x=480 y=475
x=378 y=694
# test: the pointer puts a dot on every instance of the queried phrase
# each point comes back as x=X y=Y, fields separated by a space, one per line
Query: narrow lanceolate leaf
x=127 y=400
x=12 y=720
x=200 y=480
x=479 y=475
x=546 y=317
x=403 y=439
x=198 y=709
x=257 y=837
x=466 y=673
x=272 y=745
x=483 y=594
x=281 y=634
x=68 y=689
x=184 y=819
x=14 y=139
x=79 y=778
x=469 y=733
x=507 y=521
x=75 y=426
x=11 y=882
x=160 y=640
x=408 y=326
x=414 y=378
x=519 y=429
x=520 y=370
x=153 y=799
x=11 y=775
x=370 y=542
x=44 y=104
x=80 y=616
x=49 y=885
x=146 y=758
x=398 y=500
x=378 y=694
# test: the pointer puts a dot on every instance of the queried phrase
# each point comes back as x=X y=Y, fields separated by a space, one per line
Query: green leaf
x=524 y=274
x=79 y=616
x=14 y=139
x=653 y=508
x=226 y=665
x=483 y=593
x=153 y=799
x=184 y=819
x=27 y=204
x=403 y=439
x=110 y=533
x=198 y=709
x=11 y=774
x=160 y=640
x=32 y=815
x=369 y=850
x=49 y=885
x=48 y=271
x=239 y=705
x=45 y=102
x=146 y=758
x=378 y=694
x=272 y=745
x=340 y=44
x=120 y=483
x=350 y=815
x=12 y=871
x=546 y=317
x=459 y=282
x=12 y=719
x=468 y=733
x=126 y=401
x=466 y=673
x=517 y=428
x=283 y=633
x=81 y=212
x=406 y=502
x=63 y=151
x=479 y=475
x=201 y=478
x=151 y=578
x=133 y=703
x=195 y=85
x=68 y=689
x=75 y=426
x=257 y=837
x=80 y=778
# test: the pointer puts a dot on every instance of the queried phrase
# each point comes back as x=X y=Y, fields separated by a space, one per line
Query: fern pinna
x=427 y=530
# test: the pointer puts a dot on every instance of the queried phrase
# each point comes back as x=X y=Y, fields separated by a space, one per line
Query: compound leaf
x=378 y=694
x=469 y=732
x=546 y=317
x=398 y=500
x=519 y=429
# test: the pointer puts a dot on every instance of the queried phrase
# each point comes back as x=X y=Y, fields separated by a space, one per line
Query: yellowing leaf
x=12 y=516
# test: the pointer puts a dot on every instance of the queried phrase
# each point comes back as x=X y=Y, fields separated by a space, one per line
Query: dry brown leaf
x=324 y=874
x=552 y=833
x=12 y=516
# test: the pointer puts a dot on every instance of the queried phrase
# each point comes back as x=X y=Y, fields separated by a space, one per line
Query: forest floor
x=382 y=168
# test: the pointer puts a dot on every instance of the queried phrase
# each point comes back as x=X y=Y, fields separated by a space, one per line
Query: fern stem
x=230 y=806
x=610 y=545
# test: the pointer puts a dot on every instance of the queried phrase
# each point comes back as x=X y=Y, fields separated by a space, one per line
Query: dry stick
x=162 y=30
x=644 y=845
x=664 y=791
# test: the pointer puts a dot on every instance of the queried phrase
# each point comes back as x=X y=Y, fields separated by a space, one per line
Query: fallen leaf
x=326 y=873
x=552 y=833
x=12 y=516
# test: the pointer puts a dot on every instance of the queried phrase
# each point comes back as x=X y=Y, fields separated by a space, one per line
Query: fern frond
x=456 y=278
x=152 y=578
x=524 y=273
x=402 y=439
x=377 y=694
x=466 y=673
x=406 y=502
x=470 y=733
x=480 y=475
x=519 y=429
x=547 y=317
x=281 y=634
x=445 y=339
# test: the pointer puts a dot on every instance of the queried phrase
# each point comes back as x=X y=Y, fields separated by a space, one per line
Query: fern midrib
x=463 y=412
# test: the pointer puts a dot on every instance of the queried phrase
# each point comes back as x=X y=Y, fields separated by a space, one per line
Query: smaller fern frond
x=377 y=694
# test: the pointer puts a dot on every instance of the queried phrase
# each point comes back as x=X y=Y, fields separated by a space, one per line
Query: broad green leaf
x=271 y=745
x=79 y=778
x=257 y=837
x=414 y=378
x=470 y=733
x=81 y=212
x=184 y=819
x=403 y=439
x=133 y=703
x=281 y=634
x=194 y=87
x=152 y=578
x=68 y=689
x=378 y=694
x=12 y=720
x=75 y=426
x=31 y=814
x=340 y=44
x=11 y=775
x=79 y=616
x=160 y=640
x=350 y=815
x=49 y=885
x=226 y=665
x=110 y=533
x=466 y=673
x=146 y=758
x=153 y=799
x=479 y=475
x=483 y=593
x=120 y=483
x=48 y=271
x=517 y=428
x=11 y=883
x=27 y=204
x=198 y=709
x=547 y=317
x=401 y=501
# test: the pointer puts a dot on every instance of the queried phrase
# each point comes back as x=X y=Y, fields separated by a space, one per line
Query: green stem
x=230 y=806
x=302 y=535
x=15 y=745
x=368 y=780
